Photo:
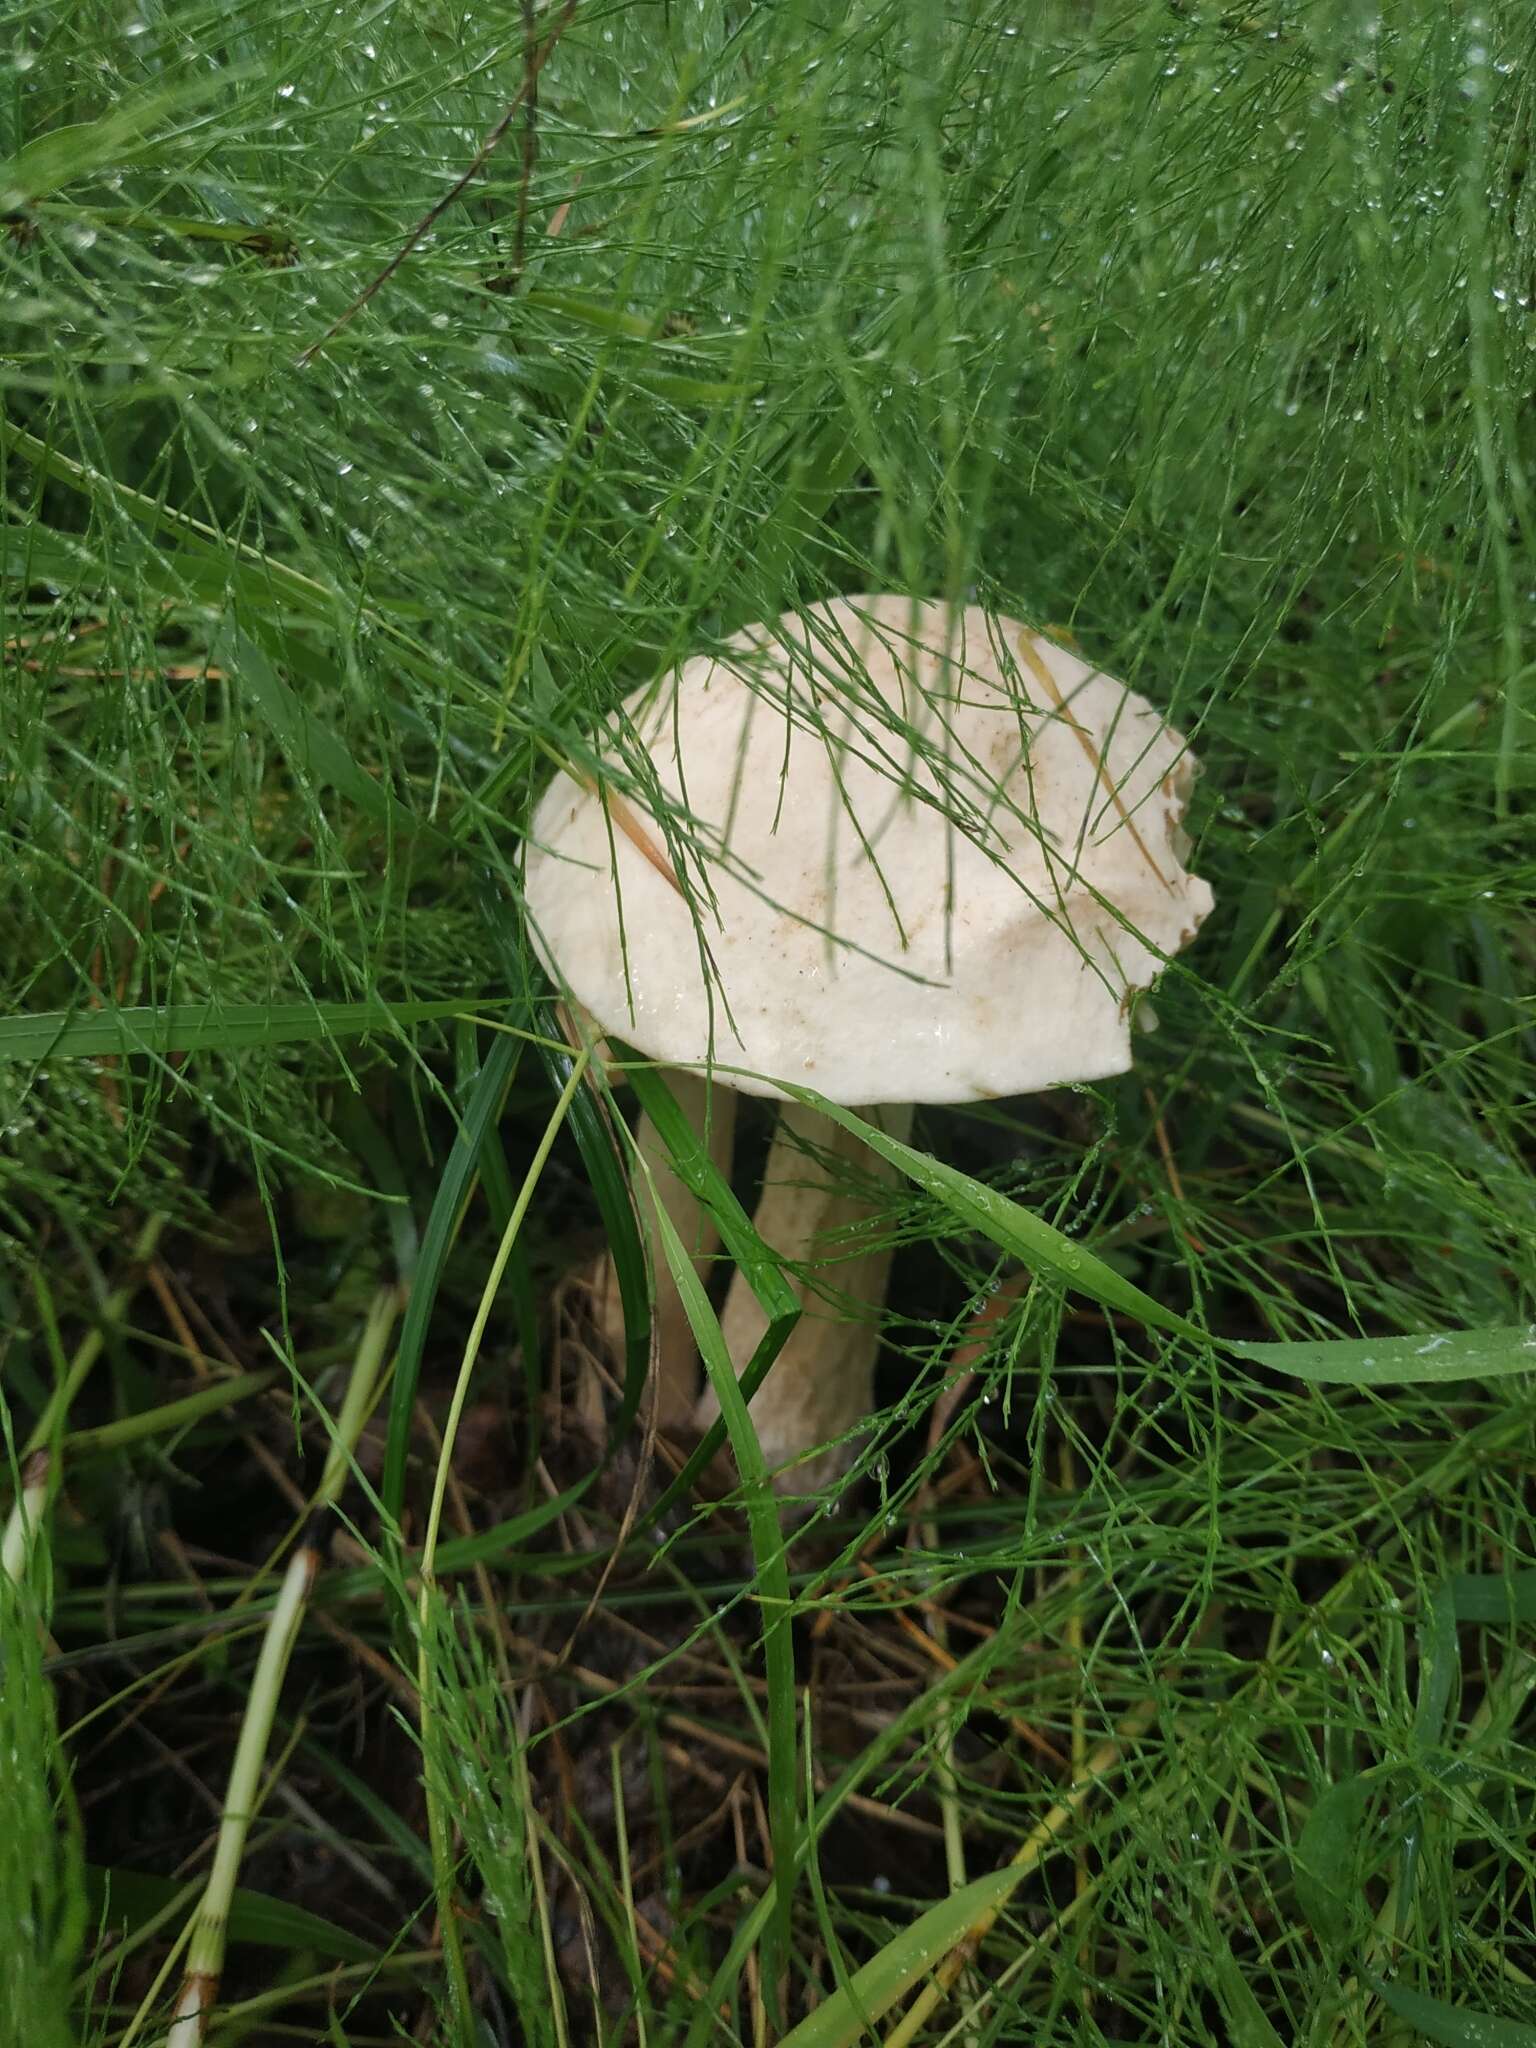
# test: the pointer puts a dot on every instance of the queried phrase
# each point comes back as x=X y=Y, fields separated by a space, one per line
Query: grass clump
x=1200 y=333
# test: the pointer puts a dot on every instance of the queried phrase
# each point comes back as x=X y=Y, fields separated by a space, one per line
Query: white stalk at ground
x=39 y=1467
x=816 y=1193
x=26 y=1517
x=711 y=1112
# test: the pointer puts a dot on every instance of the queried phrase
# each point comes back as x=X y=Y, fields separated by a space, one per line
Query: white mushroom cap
x=964 y=906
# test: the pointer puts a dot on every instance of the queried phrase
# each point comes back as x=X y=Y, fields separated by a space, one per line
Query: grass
x=1200 y=333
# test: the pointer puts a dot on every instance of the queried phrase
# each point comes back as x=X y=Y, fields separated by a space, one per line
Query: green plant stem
x=170 y=1416
x=205 y=1950
x=439 y=1826
x=1037 y=1844
x=89 y=1349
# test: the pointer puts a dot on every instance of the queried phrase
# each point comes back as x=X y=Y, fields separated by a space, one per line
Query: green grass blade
x=42 y=1901
x=500 y=1193
x=773 y=1594
x=206 y=1027
x=454 y=1188
x=171 y=1415
x=206 y=561
x=902 y=1964
x=314 y=751
x=1348 y=1361
x=1401 y=1361
x=1485 y=1597
x=1010 y=1227
x=124 y=1899
x=1439 y=1665
x=1243 y=2013
x=1328 y=1865
x=75 y=150
x=1452 y=2026
x=752 y=1258
x=588 y=1125
x=393 y=1830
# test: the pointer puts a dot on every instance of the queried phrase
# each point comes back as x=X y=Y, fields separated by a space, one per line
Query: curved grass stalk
x=205 y=1950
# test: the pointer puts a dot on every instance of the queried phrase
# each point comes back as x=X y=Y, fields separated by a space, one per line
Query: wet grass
x=1201 y=334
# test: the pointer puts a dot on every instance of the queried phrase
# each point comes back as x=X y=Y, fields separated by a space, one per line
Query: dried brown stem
x=539 y=58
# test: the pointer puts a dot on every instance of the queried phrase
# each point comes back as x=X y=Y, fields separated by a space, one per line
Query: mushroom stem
x=822 y=1382
x=711 y=1111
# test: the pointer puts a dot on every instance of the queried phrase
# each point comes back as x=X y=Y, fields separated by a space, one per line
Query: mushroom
x=912 y=854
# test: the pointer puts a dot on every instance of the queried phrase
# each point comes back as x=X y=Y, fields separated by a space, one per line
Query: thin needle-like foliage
x=345 y=499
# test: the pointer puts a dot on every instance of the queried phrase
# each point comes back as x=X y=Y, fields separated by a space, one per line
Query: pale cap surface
x=960 y=908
